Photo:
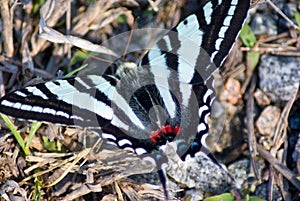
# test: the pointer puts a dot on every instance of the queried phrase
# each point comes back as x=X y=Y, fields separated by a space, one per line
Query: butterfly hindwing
x=203 y=40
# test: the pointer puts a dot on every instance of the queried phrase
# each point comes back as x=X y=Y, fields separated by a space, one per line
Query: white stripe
x=206 y=117
x=207 y=94
x=208 y=12
x=190 y=47
x=159 y=66
x=118 y=123
x=140 y=151
x=71 y=95
x=26 y=107
x=19 y=93
x=203 y=140
x=168 y=43
x=227 y=20
x=188 y=26
x=201 y=109
x=35 y=91
x=123 y=142
x=80 y=81
x=110 y=91
x=234 y=2
x=218 y=43
x=17 y=105
x=49 y=111
x=76 y=117
x=154 y=53
x=37 y=109
x=162 y=85
x=223 y=31
x=7 y=103
x=212 y=100
x=186 y=91
x=231 y=10
x=186 y=69
x=212 y=57
x=201 y=127
x=167 y=98
x=109 y=136
x=63 y=114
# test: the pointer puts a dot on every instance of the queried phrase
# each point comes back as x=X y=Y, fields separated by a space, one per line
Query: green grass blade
x=16 y=134
x=75 y=71
x=34 y=127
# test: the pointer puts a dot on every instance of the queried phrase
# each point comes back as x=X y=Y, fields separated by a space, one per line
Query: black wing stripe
x=86 y=86
x=238 y=15
x=77 y=96
x=125 y=140
x=224 y=28
x=50 y=111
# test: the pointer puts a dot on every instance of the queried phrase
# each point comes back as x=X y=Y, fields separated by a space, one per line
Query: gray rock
x=198 y=172
x=263 y=24
x=279 y=76
x=262 y=192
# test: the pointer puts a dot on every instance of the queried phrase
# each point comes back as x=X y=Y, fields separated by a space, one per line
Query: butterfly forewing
x=81 y=101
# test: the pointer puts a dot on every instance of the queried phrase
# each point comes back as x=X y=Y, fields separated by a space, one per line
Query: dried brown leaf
x=56 y=37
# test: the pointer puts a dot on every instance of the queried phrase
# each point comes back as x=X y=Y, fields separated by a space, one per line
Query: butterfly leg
x=162 y=177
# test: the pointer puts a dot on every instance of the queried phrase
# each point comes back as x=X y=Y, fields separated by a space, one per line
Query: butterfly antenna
x=96 y=58
x=129 y=40
x=213 y=158
x=163 y=181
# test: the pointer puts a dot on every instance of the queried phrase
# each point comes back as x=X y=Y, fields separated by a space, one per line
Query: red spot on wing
x=170 y=130
x=165 y=132
x=155 y=136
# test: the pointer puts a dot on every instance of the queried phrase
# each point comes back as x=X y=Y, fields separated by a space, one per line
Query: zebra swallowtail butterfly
x=166 y=99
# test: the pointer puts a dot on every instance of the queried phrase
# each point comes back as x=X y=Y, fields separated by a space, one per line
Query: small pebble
x=267 y=121
x=233 y=91
x=261 y=98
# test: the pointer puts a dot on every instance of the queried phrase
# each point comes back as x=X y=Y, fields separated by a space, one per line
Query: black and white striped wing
x=122 y=109
x=201 y=42
x=82 y=101
x=180 y=65
x=195 y=49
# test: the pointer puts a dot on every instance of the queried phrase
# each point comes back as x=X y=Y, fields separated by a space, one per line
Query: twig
x=129 y=39
x=279 y=139
x=273 y=38
x=288 y=174
x=68 y=27
x=7 y=31
x=250 y=126
x=282 y=14
x=2 y=88
x=271 y=184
